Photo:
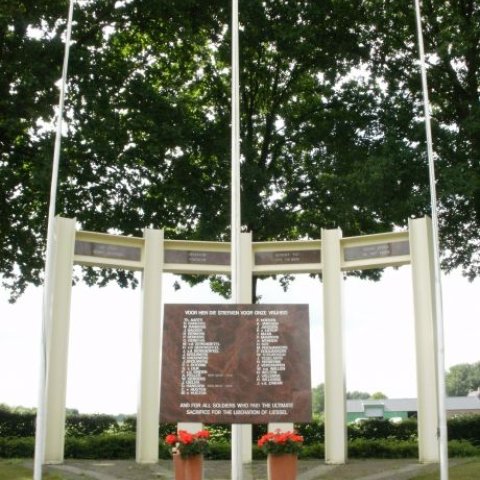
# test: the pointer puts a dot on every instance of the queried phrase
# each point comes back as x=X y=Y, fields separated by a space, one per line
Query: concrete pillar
x=151 y=342
x=423 y=276
x=245 y=296
x=191 y=427
x=333 y=317
x=58 y=327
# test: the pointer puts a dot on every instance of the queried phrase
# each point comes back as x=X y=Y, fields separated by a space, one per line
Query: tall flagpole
x=237 y=457
x=442 y=420
x=40 y=435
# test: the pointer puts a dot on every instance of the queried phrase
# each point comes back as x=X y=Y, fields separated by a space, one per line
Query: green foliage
x=101 y=446
x=89 y=424
x=378 y=396
x=312 y=451
x=258 y=430
x=219 y=433
x=356 y=395
x=312 y=433
x=219 y=451
x=462 y=379
x=380 y=428
x=462 y=448
x=17 y=447
x=465 y=427
x=366 y=448
x=332 y=131
x=318 y=399
x=14 y=423
x=117 y=446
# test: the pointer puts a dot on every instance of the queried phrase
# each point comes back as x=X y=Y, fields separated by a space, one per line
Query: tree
x=30 y=61
x=355 y=395
x=462 y=379
x=378 y=396
x=452 y=34
x=318 y=399
x=332 y=131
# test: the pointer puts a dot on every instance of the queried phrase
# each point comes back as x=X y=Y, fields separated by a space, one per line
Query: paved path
x=221 y=470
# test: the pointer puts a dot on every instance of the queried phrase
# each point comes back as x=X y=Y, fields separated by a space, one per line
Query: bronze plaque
x=196 y=257
x=236 y=364
x=287 y=257
x=379 y=250
x=106 y=250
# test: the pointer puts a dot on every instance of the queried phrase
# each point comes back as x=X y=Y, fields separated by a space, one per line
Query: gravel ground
x=221 y=470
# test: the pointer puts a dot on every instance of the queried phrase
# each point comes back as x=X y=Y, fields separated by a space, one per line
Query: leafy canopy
x=331 y=115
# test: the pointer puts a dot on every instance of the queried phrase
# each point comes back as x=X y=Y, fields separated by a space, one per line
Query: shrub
x=101 y=446
x=362 y=448
x=219 y=451
x=383 y=428
x=312 y=433
x=257 y=453
x=462 y=448
x=258 y=430
x=17 y=447
x=312 y=451
x=128 y=424
x=16 y=424
x=81 y=425
x=163 y=428
x=465 y=427
x=219 y=433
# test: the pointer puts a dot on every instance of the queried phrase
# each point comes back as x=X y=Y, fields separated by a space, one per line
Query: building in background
x=403 y=408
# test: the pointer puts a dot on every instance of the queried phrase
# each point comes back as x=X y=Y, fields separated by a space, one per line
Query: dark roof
x=410 y=404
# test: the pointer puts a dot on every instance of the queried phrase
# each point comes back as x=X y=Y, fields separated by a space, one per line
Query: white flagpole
x=442 y=420
x=40 y=434
x=237 y=457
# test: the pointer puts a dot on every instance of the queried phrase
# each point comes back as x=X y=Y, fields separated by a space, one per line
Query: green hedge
x=122 y=446
x=361 y=448
x=17 y=447
x=21 y=424
x=465 y=427
x=16 y=424
x=380 y=428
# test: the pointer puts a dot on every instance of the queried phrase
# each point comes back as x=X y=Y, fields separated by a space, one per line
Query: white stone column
x=245 y=296
x=58 y=327
x=151 y=344
x=333 y=318
x=423 y=276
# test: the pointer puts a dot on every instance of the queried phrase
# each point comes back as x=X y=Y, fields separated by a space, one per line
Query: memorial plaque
x=378 y=250
x=197 y=257
x=287 y=257
x=106 y=250
x=236 y=364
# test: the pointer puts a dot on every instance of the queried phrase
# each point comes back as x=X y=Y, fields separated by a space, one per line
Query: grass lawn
x=470 y=470
x=14 y=470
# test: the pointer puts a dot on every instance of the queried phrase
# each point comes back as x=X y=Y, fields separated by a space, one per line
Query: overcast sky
x=105 y=324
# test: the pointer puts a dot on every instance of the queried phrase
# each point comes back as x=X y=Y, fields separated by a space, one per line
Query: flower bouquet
x=188 y=444
x=281 y=443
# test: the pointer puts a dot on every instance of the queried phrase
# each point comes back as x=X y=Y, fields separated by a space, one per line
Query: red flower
x=171 y=439
x=188 y=444
x=280 y=442
x=185 y=437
